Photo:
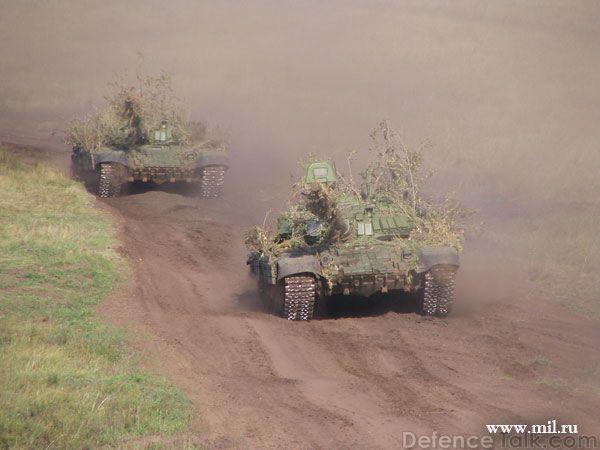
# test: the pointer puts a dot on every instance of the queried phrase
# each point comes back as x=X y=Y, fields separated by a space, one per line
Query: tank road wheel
x=211 y=181
x=438 y=292
x=110 y=180
x=299 y=297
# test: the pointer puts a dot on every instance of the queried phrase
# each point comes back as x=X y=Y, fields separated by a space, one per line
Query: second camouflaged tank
x=161 y=160
x=143 y=133
x=368 y=252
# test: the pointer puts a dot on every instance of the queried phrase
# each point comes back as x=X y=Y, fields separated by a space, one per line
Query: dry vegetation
x=393 y=181
x=396 y=178
x=133 y=113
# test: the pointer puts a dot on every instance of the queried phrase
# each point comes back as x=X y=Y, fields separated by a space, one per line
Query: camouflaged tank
x=162 y=160
x=368 y=257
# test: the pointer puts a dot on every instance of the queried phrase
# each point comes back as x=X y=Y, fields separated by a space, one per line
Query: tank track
x=211 y=181
x=438 y=292
x=299 y=297
x=109 y=182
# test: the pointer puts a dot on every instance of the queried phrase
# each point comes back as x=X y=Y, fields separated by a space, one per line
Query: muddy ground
x=357 y=378
x=506 y=92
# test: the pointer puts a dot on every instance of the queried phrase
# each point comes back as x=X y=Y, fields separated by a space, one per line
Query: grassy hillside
x=66 y=379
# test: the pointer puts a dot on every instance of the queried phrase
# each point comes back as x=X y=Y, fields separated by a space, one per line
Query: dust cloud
x=505 y=91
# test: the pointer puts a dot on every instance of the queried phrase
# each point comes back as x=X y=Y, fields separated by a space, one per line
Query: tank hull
x=347 y=271
x=366 y=271
x=155 y=164
x=355 y=270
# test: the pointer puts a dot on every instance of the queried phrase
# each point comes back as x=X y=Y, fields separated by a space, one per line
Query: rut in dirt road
x=353 y=381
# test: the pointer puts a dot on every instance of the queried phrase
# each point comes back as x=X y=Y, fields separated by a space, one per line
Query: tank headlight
x=325 y=260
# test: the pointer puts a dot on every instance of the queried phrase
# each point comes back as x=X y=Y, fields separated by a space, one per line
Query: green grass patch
x=66 y=379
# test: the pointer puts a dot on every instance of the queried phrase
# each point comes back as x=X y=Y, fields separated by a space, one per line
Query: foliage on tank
x=395 y=180
x=133 y=114
x=392 y=182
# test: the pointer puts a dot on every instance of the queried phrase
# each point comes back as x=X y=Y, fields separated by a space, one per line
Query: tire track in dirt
x=184 y=298
x=358 y=379
x=260 y=381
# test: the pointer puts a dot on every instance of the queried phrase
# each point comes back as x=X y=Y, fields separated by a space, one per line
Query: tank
x=162 y=159
x=362 y=248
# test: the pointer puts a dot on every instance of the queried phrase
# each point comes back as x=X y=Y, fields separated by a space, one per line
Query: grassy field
x=66 y=379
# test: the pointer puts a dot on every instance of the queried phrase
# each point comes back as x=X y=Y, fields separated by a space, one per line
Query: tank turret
x=163 y=135
x=320 y=172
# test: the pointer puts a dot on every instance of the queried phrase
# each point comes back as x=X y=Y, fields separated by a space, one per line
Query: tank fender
x=431 y=256
x=213 y=158
x=290 y=265
x=109 y=155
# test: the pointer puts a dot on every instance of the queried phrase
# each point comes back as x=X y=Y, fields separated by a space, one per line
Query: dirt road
x=507 y=93
x=356 y=379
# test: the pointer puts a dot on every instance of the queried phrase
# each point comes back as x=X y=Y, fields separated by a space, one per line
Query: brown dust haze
x=505 y=91
x=508 y=94
x=496 y=86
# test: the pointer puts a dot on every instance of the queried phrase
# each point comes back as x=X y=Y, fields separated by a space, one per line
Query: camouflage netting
x=393 y=181
x=132 y=115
